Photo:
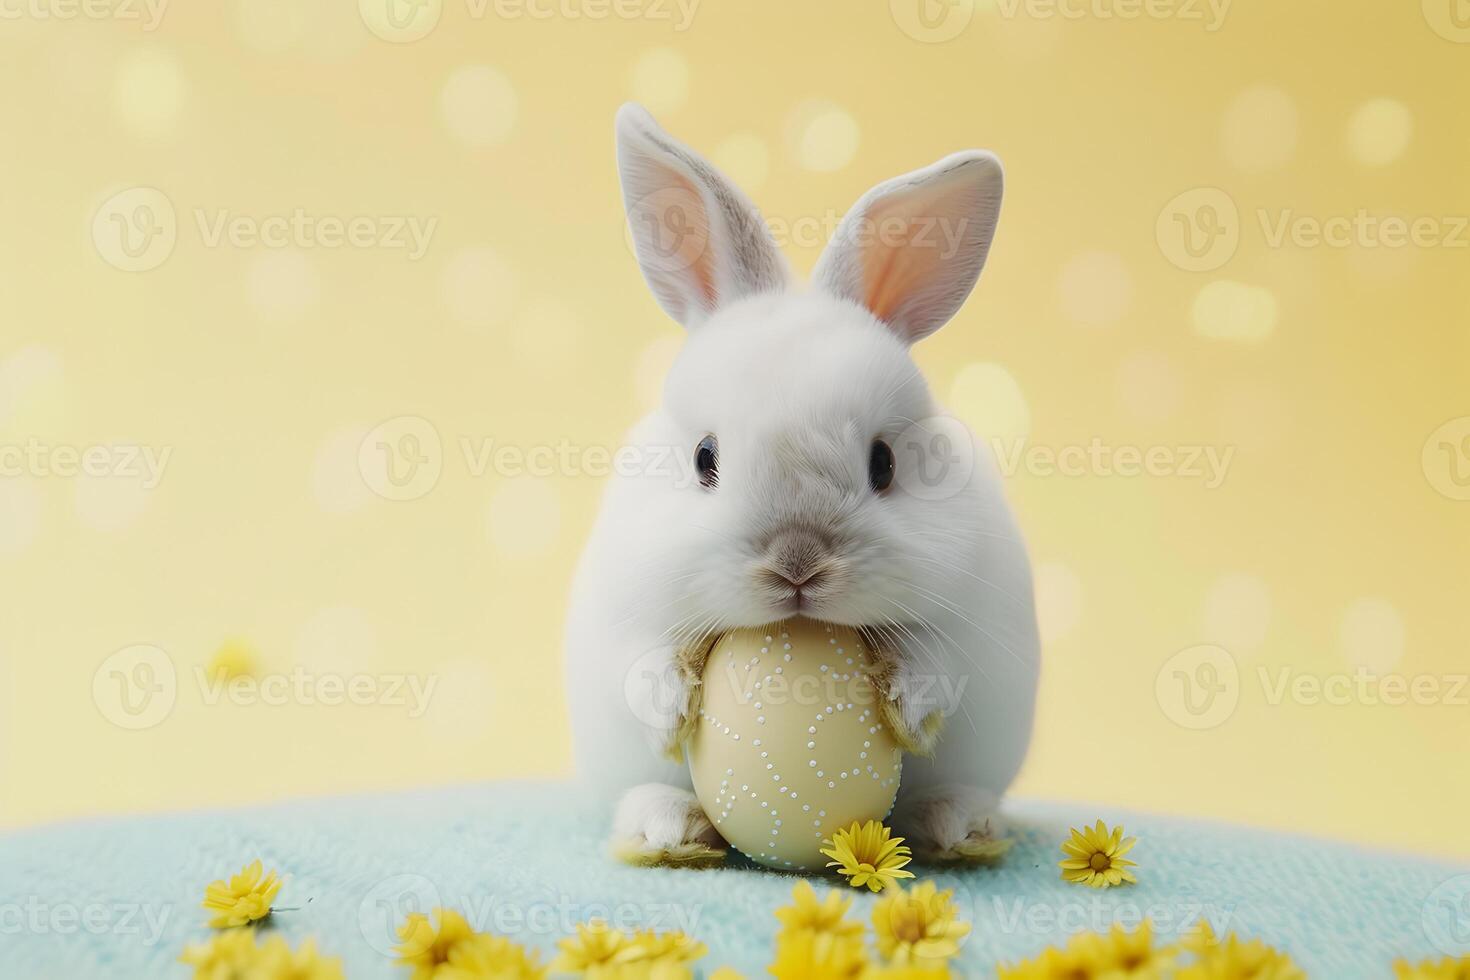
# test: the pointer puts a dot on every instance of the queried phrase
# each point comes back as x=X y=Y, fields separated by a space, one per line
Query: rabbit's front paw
x=665 y=694
x=657 y=824
x=913 y=718
x=953 y=825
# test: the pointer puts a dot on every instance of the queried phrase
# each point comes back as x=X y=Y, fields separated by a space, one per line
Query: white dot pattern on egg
x=789 y=723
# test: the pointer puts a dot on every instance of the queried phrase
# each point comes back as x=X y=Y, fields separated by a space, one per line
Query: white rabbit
x=785 y=475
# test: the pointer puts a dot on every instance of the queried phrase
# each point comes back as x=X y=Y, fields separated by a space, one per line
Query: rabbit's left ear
x=912 y=248
x=700 y=242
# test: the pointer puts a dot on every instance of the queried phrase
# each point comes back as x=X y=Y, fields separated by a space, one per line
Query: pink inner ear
x=691 y=237
x=903 y=251
x=916 y=251
x=676 y=230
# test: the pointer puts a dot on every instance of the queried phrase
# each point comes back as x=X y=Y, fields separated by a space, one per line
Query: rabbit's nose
x=798 y=576
x=798 y=556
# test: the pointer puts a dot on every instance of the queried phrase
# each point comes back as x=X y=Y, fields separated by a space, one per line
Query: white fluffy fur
x=796 y=385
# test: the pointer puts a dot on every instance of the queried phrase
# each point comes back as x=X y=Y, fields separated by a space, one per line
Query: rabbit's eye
x=880 y=466
x=707 y=461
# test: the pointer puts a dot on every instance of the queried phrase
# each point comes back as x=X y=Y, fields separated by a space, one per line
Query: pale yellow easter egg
x=790 y=743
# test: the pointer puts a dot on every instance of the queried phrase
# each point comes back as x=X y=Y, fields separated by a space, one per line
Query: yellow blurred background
x=206 y=262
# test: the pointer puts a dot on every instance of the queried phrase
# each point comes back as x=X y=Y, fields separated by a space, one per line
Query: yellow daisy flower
x=808 y=955
x=1052 y=964
x=1231 y=958
x=278 y=961
x=867 y=855
x=1448 y=968
x=423 y=948
x=918 y=926
x=481 y=956
x=237 y=954
x=224 y=956
x=1120 y=953
x=1115 y=955
x=671 y=947
x=640 y=970
x=245 y=898
x=1095 y=857
x=827 y=915
x=596 y=944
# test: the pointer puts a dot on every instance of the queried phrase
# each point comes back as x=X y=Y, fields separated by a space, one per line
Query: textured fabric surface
x=120 y=898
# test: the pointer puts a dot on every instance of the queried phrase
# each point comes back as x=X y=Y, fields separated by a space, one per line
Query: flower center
x=1100 y=862
x=908 y=928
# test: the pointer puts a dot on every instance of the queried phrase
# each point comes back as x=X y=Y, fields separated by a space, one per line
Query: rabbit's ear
x=912 y=248
x=700 y=242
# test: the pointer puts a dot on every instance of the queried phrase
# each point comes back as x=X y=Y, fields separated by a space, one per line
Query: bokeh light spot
x=1235 y=311
x=660 y=80
x=478 y=105
x=1259 y=130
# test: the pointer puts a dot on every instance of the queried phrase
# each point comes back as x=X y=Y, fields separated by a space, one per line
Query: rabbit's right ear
x=700 y=242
